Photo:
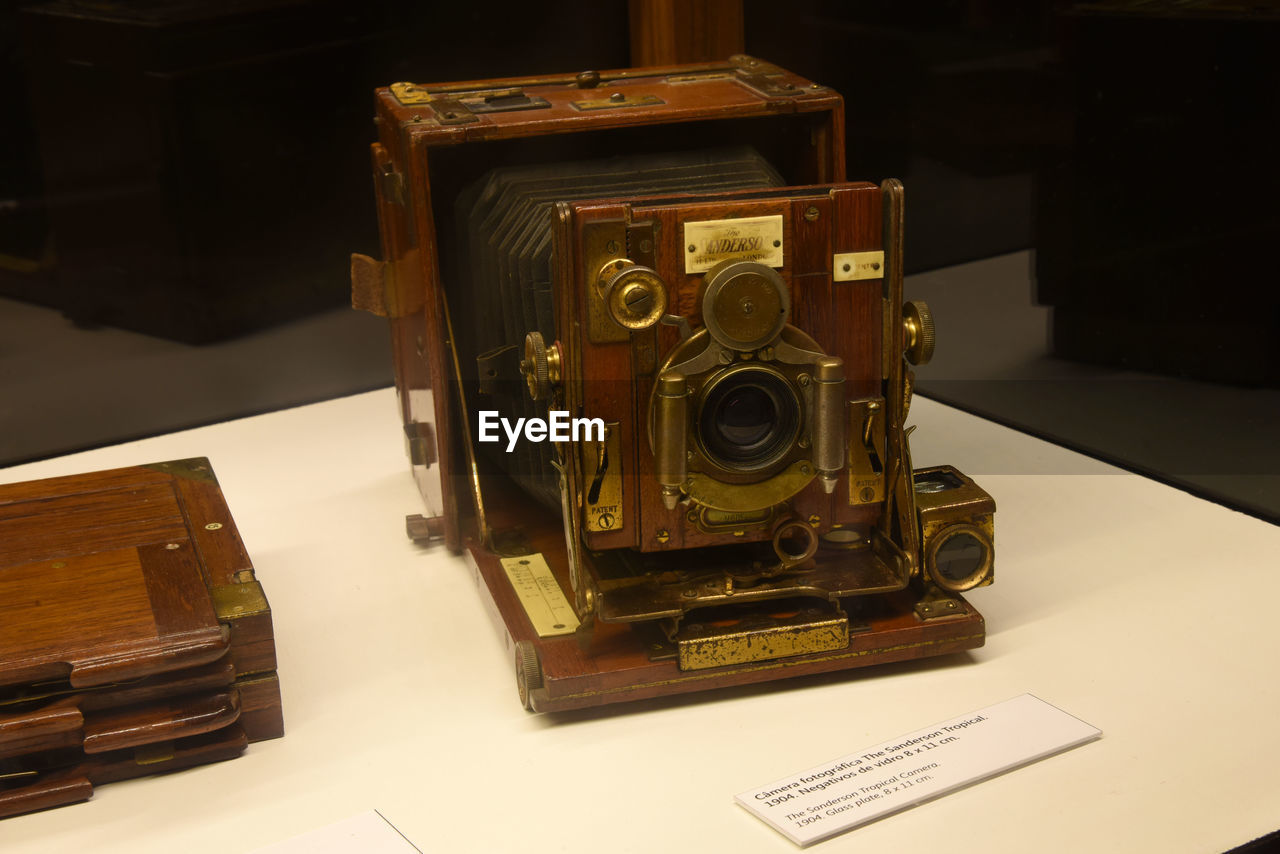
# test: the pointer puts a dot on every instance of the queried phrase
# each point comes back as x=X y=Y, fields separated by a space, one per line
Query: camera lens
x=960 y=557
x=750 y=418
x=746 y=416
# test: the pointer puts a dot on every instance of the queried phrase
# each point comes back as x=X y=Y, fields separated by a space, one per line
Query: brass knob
x=918 y=336
x=528 y=672
x=540 y=366
x=745 y=304
x=636 y=296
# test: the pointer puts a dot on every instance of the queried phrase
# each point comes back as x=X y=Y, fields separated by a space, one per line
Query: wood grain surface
x=112 y=576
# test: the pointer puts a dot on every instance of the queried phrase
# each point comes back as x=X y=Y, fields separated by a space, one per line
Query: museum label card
x=902 y=772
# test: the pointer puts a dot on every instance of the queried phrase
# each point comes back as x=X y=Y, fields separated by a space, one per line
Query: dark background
x=1090 y=203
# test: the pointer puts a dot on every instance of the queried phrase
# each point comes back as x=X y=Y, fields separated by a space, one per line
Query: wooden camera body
x=671 y=262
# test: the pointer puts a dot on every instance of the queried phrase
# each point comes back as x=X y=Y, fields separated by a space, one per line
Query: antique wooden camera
x=654 y=367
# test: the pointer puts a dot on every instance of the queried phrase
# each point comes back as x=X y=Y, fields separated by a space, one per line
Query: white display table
x=1136 y=607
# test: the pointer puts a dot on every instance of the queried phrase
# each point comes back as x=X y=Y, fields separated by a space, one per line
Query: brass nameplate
x=852 y=266
x=749 y=238
x=540 y=594
x=777 y=638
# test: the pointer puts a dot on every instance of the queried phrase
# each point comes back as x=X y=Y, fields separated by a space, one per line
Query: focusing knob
x=528 y=672
x=637 y=297
x=540 y=366
x=918 y=336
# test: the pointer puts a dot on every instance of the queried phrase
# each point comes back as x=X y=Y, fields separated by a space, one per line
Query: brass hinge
x=451 y=111
x=410 y=94
x=937 y=605
x=370 y=282
x=764 y=77
x=245 y=599
x=420 y=437
x=392 y=185
x=196 y=468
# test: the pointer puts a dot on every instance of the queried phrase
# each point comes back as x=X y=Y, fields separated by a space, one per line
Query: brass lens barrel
x=828 y=420
x=670 y=435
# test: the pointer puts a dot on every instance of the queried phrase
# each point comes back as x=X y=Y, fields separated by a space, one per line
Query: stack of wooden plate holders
x=134 y=638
